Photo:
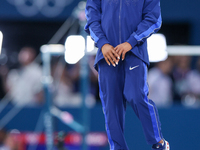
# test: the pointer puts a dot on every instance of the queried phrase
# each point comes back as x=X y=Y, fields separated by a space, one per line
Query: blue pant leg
x=136 y=92
x=156 y=111
x=114 y=106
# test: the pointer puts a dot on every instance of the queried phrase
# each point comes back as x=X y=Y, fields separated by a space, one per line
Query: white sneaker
x=161 y=146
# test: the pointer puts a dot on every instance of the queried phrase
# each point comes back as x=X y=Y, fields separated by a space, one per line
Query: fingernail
x=116 y=63
x=118 y=57
x=109 y=64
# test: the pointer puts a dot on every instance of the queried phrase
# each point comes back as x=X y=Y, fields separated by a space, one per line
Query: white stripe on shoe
x=167 y=145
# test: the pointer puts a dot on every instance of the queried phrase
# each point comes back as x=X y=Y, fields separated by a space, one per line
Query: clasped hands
x=112 y=54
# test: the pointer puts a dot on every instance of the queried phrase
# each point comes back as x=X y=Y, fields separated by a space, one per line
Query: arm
x=150 y=24
x=93 y=27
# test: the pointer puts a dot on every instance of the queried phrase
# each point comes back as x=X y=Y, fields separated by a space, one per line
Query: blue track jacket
x=118 y=21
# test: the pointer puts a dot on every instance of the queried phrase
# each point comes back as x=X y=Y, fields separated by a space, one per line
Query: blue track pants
x=127 y=82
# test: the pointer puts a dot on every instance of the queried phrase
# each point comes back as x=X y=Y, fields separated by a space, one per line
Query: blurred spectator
x=3 y=76
x=160 y=83
x=14 y=141
x=74 y=73
x=24 y=84
x=180 y=71
x=66 y=86
x=193 y=80
x=192 y=95
x=63 y=84
x=3 y=136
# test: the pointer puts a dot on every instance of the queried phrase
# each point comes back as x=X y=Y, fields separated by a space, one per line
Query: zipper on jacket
x=120 y=34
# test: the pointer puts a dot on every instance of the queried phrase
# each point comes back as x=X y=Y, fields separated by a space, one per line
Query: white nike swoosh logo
x=131 y=68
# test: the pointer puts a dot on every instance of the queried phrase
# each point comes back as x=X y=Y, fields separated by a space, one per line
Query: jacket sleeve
x=151 y=22
x=93 y=25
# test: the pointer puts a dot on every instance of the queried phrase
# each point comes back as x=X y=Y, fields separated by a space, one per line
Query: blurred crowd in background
x=10 y=141
x=23 y=85
x=173 y=81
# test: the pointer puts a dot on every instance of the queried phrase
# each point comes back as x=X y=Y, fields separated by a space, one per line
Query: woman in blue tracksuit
x=120 y=29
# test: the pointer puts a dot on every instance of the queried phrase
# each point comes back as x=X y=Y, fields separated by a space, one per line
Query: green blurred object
x=60 y=138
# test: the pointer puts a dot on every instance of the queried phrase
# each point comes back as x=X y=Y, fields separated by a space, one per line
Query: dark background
x=180 y=24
